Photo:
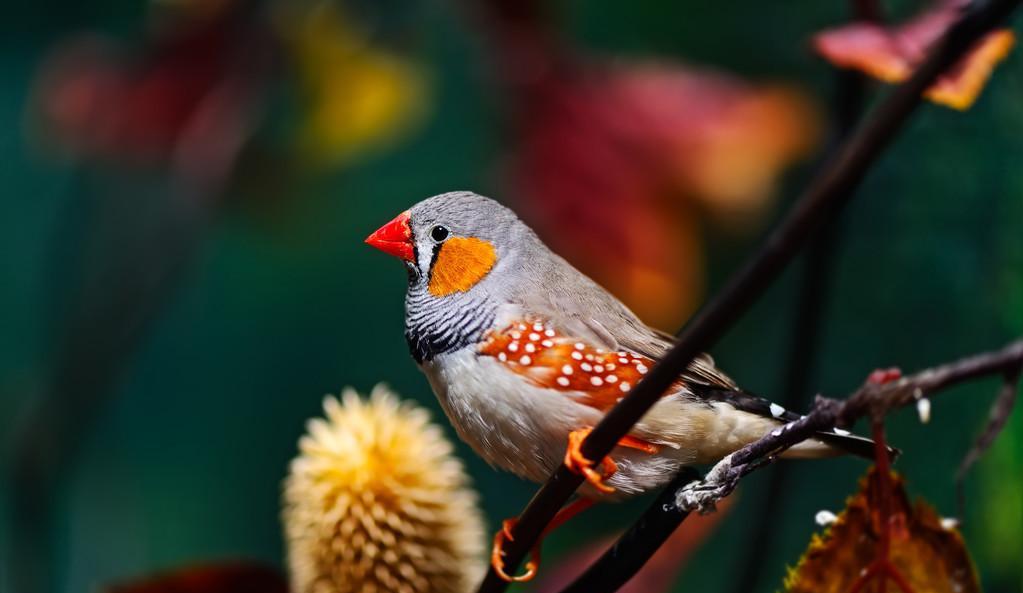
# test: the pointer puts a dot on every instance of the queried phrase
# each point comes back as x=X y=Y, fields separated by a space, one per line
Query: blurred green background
x=199 y=323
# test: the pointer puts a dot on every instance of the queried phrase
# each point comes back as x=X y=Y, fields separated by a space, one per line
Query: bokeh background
x=187 y=184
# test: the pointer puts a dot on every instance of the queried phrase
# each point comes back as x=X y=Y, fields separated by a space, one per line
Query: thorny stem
x=833 y=187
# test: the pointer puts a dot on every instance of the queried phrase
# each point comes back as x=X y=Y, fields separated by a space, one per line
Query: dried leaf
x=931 y=558
x=891 y=53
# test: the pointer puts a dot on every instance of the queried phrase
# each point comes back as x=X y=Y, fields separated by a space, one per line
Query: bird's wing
x=546 y=356
x=599 y=377
x=582 y=308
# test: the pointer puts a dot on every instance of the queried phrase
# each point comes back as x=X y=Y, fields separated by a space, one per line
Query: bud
x=376 y=502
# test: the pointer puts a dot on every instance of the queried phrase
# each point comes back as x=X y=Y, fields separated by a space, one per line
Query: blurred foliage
x=355 y=95
x=277 y=302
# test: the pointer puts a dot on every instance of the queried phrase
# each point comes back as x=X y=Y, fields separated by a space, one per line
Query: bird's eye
x=439 y=233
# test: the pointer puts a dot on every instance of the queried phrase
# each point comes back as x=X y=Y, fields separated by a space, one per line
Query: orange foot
x=497 y=555
x=575 y=461
x=505 y=534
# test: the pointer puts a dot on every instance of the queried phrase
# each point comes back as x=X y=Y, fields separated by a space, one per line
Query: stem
x=828 y=192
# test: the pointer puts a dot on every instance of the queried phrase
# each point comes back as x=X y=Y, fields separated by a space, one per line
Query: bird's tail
x=837 y=442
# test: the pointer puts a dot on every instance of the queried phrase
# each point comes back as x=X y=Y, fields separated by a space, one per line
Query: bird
x=526 y=354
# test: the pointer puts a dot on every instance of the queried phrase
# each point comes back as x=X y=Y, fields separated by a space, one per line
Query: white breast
x=509 y=422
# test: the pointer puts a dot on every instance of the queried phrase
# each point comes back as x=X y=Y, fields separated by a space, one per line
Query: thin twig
x=1001 y=409
x=870 y=399
x=828 y=191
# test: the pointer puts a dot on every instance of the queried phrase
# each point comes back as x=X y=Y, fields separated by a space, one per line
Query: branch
x=627 y=555
x=673 y=506
x=871 y=399
x=830 y=190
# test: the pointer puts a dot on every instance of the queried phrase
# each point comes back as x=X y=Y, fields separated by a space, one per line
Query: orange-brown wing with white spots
x=549 y=359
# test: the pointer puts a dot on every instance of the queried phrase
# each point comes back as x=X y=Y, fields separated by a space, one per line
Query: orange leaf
x=931 y=557
x=891 y=53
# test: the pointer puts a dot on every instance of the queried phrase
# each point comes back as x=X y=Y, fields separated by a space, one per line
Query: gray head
x=467 y=256
x=451 y=242
x=463 y=253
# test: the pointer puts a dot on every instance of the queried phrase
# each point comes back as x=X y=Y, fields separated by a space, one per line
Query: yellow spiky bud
x=376 y=503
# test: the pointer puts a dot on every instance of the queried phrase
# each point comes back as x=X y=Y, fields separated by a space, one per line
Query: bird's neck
x=436 y=325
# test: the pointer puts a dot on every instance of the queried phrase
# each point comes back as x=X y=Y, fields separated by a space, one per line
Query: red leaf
x=890 y=53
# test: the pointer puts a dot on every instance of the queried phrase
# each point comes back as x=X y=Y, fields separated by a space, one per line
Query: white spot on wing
x=525 y=360
x=563 y=381
x=567 y=369
x=597 y=381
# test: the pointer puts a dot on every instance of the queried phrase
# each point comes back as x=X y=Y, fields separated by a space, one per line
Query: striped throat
x=435 y=325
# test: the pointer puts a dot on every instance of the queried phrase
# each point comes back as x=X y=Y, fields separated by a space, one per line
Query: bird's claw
x=576 y=462
x=702 y=495
x=497 y=555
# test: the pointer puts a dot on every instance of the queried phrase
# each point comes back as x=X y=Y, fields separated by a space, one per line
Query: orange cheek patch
x=461 y=263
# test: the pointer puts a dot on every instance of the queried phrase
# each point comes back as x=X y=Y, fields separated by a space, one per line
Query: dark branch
x=871 y=399
x=623 y=559
x=831 y=189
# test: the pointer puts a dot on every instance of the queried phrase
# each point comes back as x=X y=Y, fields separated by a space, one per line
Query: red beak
x=395 y=238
